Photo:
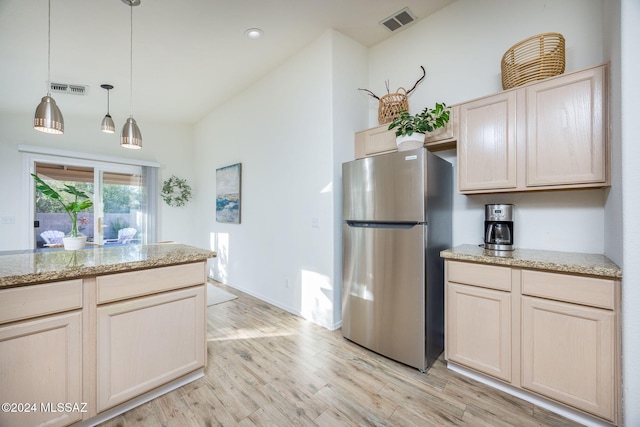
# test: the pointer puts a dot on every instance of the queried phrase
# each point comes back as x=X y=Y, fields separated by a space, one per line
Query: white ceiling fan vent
x=69 y=88
x=398 y=20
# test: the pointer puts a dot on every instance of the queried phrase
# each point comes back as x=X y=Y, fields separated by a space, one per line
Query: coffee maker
x=498 y=227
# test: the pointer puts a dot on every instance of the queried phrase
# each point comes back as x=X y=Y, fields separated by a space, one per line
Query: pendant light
x=131 y=136
x=48 y=117
x=107 y=123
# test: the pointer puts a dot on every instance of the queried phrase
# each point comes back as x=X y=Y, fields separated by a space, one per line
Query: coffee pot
x=498 y=227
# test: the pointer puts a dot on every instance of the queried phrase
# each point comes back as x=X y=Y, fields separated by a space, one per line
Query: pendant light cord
x=131 y=63
x=49 y=52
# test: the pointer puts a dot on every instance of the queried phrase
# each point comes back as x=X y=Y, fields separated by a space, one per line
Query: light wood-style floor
x=267 y=367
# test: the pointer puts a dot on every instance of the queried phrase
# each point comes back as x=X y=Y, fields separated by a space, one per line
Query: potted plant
x=411 y=130
x=80 y=202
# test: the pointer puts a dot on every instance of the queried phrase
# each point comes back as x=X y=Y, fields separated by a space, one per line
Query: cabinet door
x=478 y=329
x=487 y=143
x=147 y=342
x=566 y=142
x=41 y=365
x=374 y=141
x=568 y=354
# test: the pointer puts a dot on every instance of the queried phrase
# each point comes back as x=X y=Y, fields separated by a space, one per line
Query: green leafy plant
x=117 y=224
x=175 y=191
x=79 y=203
x=426 y=121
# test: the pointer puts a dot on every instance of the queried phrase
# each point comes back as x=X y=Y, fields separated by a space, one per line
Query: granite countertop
x=32 y=267
x=562 y=262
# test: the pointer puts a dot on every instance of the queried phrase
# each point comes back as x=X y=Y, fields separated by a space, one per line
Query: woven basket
x=391 y=104
x=534 y=58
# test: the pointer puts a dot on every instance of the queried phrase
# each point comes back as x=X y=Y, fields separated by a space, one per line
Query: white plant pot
x=409 y=142
x=74 y=243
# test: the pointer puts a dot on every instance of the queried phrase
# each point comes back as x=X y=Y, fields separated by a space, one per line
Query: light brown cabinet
x=543 y=136
x=487 y=147
x=552 y=334
x=151 y=329
x=479 y=329
x=146 y=342
x=569 y=340
x=100 y=342
x=381 y=140
x=478 y=318
x=41 y=354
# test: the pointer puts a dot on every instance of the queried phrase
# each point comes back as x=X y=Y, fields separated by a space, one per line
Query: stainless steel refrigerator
x=396 y=220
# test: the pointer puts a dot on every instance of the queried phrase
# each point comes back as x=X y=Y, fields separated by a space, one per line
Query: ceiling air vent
x=68 y=88
x=398 y=20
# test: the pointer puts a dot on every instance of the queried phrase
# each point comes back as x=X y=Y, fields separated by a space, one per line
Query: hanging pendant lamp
x=131 y=136
x=48 y=117
x=107 y=123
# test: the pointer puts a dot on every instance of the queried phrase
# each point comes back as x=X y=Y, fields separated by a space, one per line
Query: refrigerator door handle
x=395 y=225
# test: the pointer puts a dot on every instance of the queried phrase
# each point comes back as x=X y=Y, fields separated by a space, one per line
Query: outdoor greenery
x=117 y=224
x=49 y=205
x=117 y=198
x=120 y=198
x=78 y=202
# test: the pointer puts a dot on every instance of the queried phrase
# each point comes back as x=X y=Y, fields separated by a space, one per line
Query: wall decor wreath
x=175 y=191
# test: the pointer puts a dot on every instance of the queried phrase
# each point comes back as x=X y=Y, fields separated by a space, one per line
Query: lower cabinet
x=40 y=369
x=146 y=342
x=567 y=354
x=479 y=329
x=553 y=334
x=70 y=350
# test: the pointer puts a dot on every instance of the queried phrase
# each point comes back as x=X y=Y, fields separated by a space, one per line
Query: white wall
x=461 y=47
x=630 y=111
x=168 y=144
x=282 y=131
x=349 y=71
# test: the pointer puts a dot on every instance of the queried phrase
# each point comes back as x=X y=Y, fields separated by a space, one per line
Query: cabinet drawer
x=486 y=276
x=569 y=288
x=121 y=286
x=39 y=300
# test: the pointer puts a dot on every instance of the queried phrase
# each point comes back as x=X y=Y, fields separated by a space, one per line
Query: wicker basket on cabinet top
x=391 y=104
x=534 y=58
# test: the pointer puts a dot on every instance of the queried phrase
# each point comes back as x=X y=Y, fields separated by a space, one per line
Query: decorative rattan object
x=391 y=104
x=534 y=58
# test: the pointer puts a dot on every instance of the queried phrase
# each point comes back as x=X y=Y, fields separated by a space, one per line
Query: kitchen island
x=542 y=325
x=86 y=335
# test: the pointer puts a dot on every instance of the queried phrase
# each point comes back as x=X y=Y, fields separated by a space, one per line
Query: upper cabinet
x=543 y=136
x=380 y=140
x=487 y=157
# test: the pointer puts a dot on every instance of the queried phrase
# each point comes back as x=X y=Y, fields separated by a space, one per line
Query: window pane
x=52 y=218
x=124 y=209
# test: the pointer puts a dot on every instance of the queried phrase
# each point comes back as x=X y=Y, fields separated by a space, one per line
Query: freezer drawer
x=384 y=290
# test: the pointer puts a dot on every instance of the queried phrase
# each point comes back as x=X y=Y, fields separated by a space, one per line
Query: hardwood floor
x=267 y=367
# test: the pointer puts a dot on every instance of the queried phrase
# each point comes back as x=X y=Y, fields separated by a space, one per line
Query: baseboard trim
x=143 y=398
x=566 y=412
x=277 y=304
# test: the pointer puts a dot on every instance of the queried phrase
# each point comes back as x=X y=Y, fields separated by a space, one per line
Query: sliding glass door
x=123 y=208
x=119 y=216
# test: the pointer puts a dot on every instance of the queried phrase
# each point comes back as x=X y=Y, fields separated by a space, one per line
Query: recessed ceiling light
x=253 y=33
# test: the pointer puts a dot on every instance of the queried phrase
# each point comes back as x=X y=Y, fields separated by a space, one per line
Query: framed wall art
x=228 y=185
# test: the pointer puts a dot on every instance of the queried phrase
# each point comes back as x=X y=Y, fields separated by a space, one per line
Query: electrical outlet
x=315 y=222
x=8 y=219
x=286 y=283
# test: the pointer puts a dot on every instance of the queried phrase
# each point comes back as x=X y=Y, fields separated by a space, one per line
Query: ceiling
x=189 y=56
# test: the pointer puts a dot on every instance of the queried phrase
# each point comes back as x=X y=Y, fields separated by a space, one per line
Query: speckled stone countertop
x=562 y=262
x=28 y=268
